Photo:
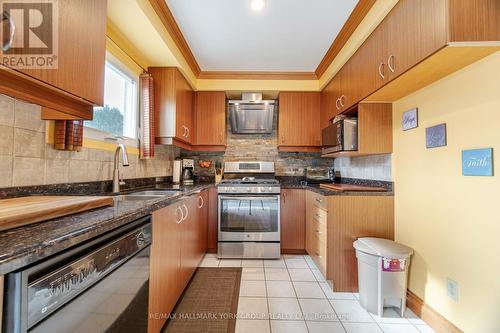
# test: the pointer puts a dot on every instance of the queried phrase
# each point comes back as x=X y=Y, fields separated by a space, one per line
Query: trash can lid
x=382 y=247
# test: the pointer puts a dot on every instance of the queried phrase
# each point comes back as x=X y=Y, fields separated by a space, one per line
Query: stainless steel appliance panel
x=249 y=250
x=99 y=286
x=249 y=218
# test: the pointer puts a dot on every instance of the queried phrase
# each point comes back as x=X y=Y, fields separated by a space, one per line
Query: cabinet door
x=189 y=246
x=299 y=119
x=310 y=246
x=423 y=21
x=293 y=224
x=211 y=118
x=81 y=50
x=184 y=101
x=165 y=284
x=212 y=220
x=202 y=217
x=330 y=106
x=373 y=58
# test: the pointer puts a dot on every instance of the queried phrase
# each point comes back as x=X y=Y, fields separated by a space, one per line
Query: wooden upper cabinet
x=184 y=110
x=293 y=223
x=78 y=82
x=423 y=21
x=210 y=118
x=173 y=103
x=299 y=120
x=474 y=20
x=414 y=44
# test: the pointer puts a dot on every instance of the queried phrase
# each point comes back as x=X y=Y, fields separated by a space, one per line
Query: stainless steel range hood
x=251 y=114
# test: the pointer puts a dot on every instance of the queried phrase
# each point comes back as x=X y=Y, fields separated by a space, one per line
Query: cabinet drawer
x=319 y=254
x=319 y=200
x=319 y=230
x=319 y=215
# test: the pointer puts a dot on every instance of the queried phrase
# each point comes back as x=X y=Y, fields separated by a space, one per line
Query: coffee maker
x=187 y=171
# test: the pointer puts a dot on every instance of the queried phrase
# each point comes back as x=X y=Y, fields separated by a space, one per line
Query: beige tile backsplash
x=26 y=159
x=376 y=167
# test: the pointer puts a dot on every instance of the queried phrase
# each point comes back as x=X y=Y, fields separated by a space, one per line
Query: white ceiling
x=288 y=35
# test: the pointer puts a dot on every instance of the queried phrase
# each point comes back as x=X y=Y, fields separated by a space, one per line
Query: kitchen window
x=118 y=118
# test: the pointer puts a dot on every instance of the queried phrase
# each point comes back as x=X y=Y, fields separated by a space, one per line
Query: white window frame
x=96 y=134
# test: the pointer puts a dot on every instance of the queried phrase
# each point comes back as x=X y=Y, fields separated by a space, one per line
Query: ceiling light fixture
x=257 y=5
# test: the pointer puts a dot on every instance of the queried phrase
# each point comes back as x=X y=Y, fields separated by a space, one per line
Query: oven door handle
x=255 y=198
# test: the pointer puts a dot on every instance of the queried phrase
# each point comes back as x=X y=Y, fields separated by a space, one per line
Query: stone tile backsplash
x=258 y=147
x=26 y=158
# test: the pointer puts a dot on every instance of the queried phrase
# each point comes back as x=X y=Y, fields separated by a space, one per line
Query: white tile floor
x=291 y=296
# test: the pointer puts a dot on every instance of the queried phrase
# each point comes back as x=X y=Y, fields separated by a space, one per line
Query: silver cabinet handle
x=380 y=70
x=187 y=212
x=319 y=232
x=7 y=21
x=179 y=209
x=187 y=133
x=342 y=98
x=390 y=63
x=200 y=202
x=319 y=200
x=337 y=103
x=317 y=215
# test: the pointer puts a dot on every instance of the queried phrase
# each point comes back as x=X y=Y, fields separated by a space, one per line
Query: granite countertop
x=298 y=182
x=31 y=243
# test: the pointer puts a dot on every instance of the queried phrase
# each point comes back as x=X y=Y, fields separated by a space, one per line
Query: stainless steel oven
x=99 y=286
x=249 y=211
x=249 y=218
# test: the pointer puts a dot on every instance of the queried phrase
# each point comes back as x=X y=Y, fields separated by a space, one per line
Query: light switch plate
x=452 y=289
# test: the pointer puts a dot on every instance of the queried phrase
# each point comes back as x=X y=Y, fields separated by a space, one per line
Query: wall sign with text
x=410 y=119
x=477 y=162
x=435 y=136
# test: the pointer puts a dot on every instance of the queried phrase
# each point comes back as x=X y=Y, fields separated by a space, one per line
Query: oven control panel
x=248 y=189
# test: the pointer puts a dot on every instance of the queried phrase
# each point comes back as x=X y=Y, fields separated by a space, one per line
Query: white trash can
x=382 y=274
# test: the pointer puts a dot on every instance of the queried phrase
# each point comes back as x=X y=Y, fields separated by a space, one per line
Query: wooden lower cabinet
x=316 y=217
x=292 y=220
x=349 y=218
x=202 y=202
x=165 y=278
x=334 y=222
x=179 y=243
x=212 y=220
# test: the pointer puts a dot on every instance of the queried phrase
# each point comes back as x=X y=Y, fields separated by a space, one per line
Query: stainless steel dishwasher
x=99 y=286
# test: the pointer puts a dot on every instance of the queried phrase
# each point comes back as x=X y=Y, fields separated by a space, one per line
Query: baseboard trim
x=293 y=251
x=429 y=315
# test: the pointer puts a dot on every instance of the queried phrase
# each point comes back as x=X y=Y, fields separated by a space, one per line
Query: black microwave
x=342 y=135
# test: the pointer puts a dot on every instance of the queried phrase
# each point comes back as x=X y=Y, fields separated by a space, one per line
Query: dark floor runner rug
x=209 y=303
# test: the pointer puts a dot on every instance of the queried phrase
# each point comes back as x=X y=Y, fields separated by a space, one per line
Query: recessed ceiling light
x=257 y=5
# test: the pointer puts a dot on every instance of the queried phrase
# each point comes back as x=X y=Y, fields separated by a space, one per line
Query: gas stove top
x=249 y=177
x=250 y=181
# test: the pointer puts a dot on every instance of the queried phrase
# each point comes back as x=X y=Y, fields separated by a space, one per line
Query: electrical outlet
x=452 y=289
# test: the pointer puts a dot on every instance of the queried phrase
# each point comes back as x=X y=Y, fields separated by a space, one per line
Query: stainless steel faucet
x=117 y=181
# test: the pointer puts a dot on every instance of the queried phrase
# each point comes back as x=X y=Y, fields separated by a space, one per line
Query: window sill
x=95 y=134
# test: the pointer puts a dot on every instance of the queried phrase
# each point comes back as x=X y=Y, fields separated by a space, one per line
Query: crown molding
x=168 y=20
x=358 y=14
x=256 y=75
